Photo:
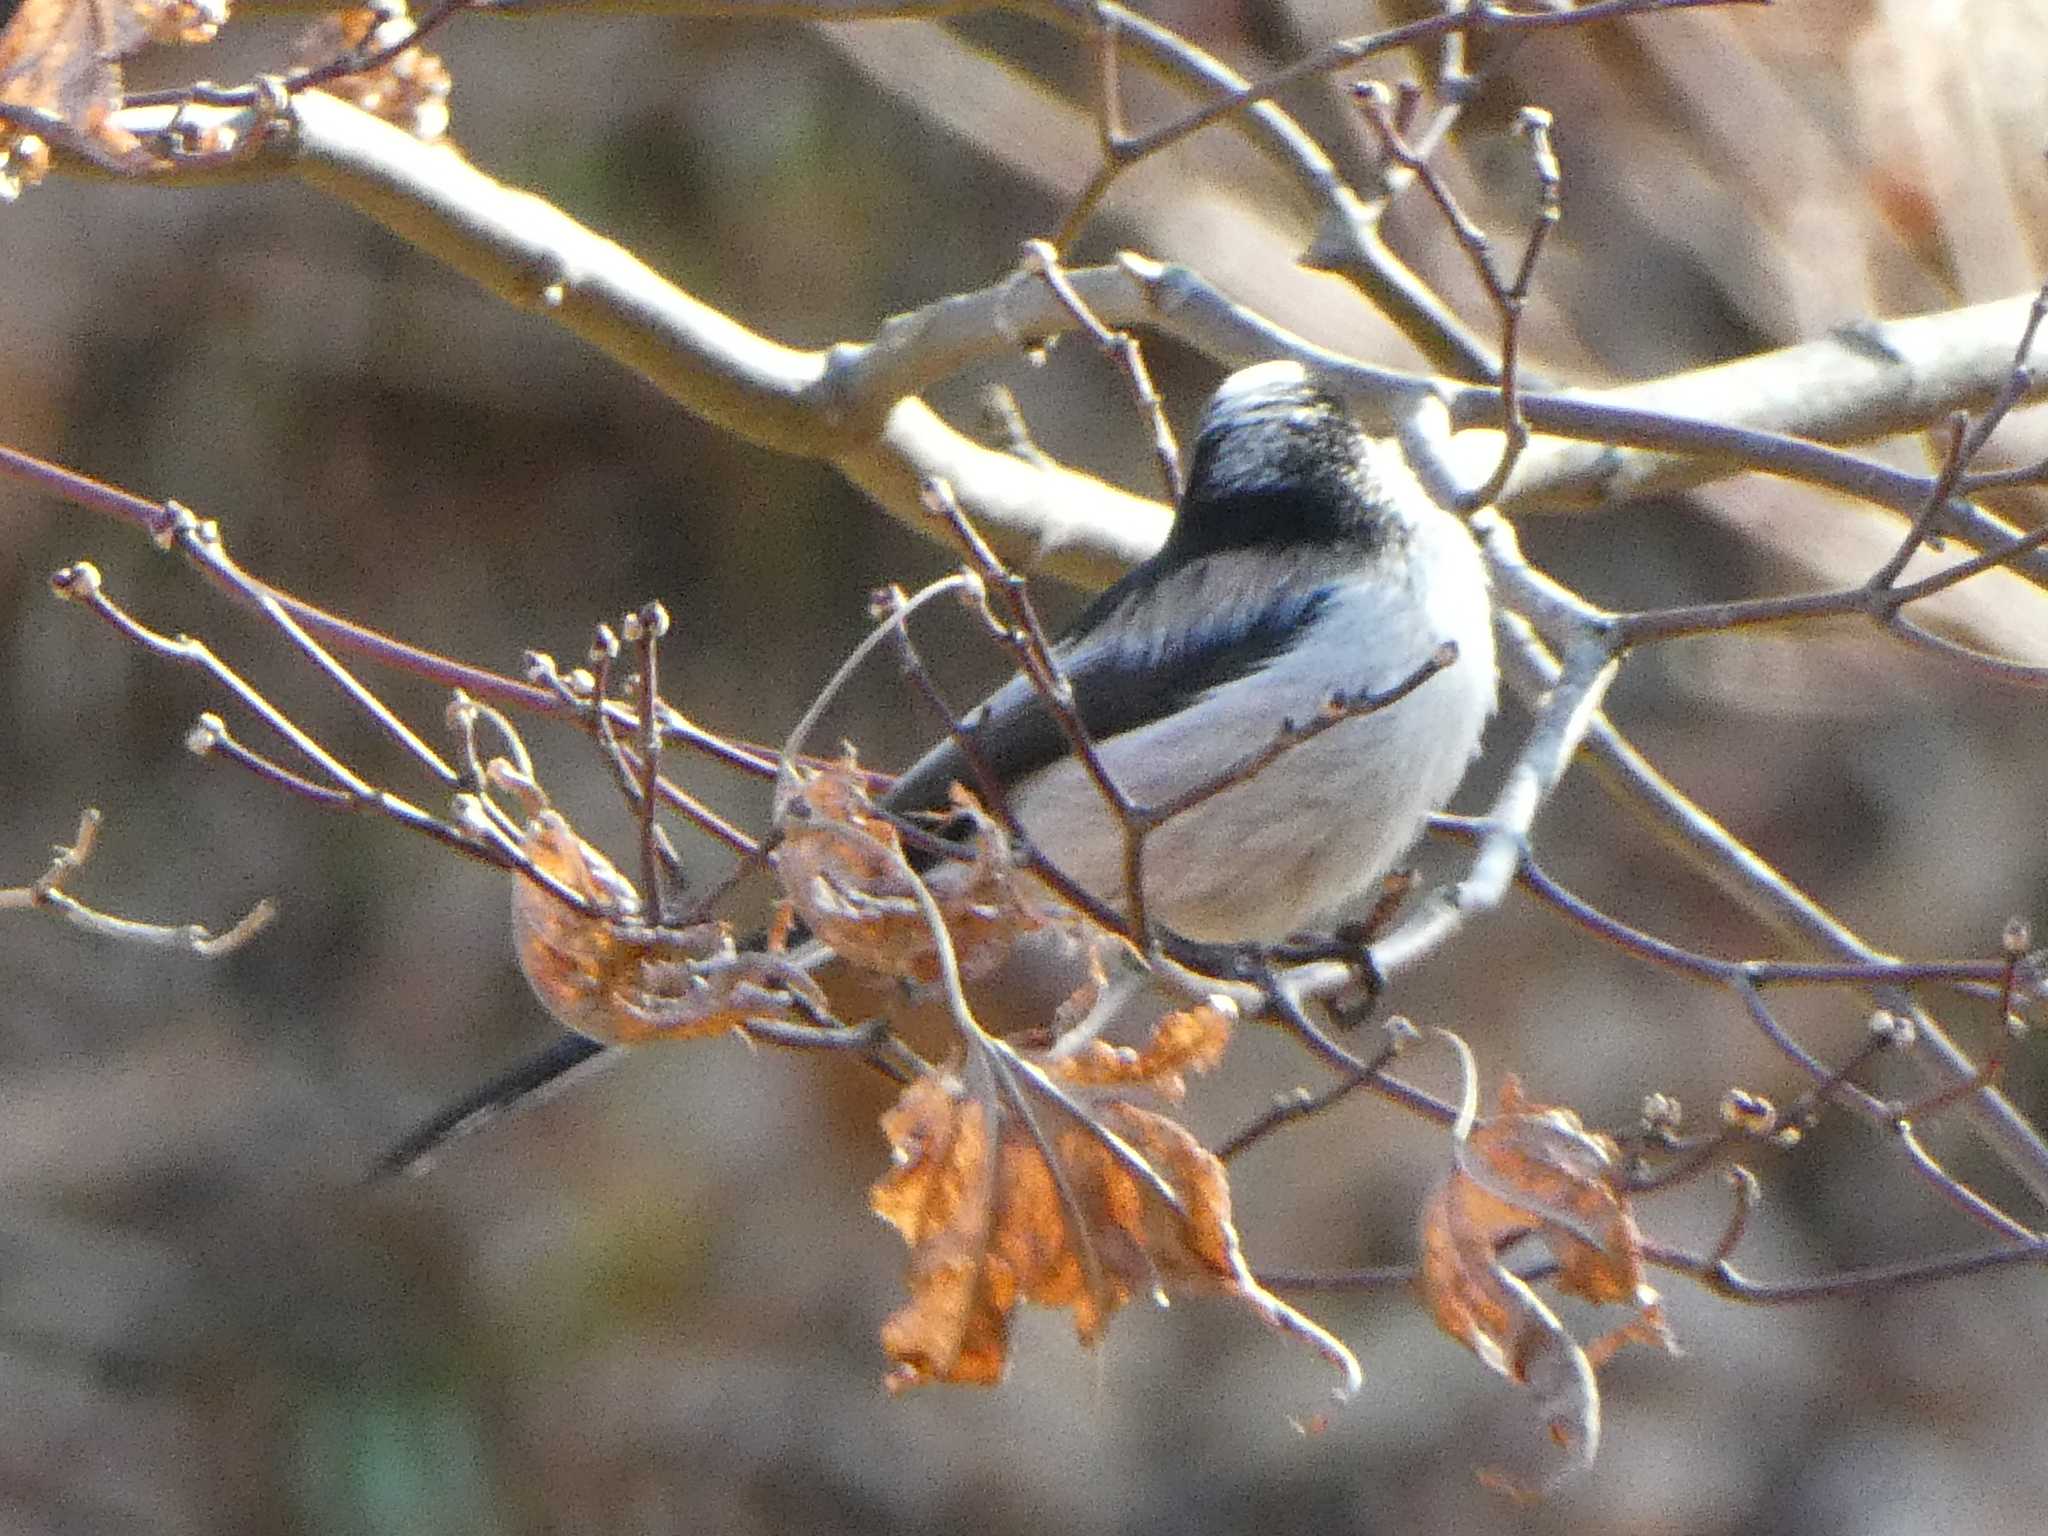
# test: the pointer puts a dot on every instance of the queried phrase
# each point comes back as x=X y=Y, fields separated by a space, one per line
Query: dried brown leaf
x=1065 y=1209
x=1087 y=993
x=63 y=57
x=844 y=874
x=410 y=89
x=1536 y=1167
x=610 y=977
x=1189 y=1041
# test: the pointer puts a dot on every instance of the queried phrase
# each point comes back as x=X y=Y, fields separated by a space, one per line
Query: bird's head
x=1278 y=460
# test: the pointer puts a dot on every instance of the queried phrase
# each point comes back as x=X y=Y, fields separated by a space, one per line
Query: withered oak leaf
x=846 y=875
x=1081 y=1211
x=609 y=976
x=62 y=57
x=1536 y=1168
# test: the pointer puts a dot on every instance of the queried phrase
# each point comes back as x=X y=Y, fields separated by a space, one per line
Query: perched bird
x=1305 y=562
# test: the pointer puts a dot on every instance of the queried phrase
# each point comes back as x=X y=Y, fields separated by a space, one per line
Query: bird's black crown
x=1278 y=461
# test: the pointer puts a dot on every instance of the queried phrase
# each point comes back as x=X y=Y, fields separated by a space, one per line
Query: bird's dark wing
x=1145 y=649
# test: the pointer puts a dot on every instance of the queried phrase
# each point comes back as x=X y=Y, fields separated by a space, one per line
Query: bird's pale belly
x=1268 y=859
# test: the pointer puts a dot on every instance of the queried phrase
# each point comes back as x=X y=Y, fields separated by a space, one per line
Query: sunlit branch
x=847 y=405
x=47 y=893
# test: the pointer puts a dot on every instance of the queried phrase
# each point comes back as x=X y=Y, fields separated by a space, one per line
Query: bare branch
x=1508 y=295
x=1488 y=15
x=1717 y=1276
x=1043 y=259
x=47 y=893
x=1300 y=1104
x=160 y=520
x=837 y=405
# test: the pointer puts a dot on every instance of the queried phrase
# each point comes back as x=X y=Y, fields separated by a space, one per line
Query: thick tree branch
x=847 y=405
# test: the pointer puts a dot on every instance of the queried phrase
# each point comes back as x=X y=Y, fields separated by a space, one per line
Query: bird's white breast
x=1269 y=858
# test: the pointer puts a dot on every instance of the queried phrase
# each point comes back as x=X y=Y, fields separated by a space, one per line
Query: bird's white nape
x=1251 y=391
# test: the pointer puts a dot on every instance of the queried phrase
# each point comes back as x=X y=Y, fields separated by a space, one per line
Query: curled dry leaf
x=409 y=89
x=614 y=979
x=845 y=875
x=63 y=57
x=1089 y=992
x=1535 y=1167
x=1080 y=1206
x=1190 y=1041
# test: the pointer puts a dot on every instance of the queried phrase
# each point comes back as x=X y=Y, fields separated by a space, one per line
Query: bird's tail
x=539 y=1076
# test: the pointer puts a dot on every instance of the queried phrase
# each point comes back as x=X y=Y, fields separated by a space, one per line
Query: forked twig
x=644 y=631
x=1300 y=1104
x=354 y=62
x=47 y=893
x=1040 y=257
x=1122 y=150
x=1508 y=294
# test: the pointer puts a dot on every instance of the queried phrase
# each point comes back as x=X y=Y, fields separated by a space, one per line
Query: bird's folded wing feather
x=1146 y=649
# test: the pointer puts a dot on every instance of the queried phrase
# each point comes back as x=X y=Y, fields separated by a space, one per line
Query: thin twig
x=47 y=893
x=353 y=62
x=1720 y=1277
x=1024 y=636
x=646 y=630
x=1743 y=1185
x=1508 y=295
x=1955 y=1191
x=1485 y=16
x=1301 y=1104
x=1041 y=258
x=161 y=520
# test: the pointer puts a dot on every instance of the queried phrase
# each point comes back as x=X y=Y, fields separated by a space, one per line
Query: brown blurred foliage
x=652 y=1305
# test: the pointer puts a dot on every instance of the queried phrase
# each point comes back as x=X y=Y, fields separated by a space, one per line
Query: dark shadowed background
x=652 y=1305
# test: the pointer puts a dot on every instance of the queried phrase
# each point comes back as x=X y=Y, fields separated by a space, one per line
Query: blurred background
x=652 y=1304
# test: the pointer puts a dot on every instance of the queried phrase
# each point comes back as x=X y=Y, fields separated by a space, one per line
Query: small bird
x=1305 y=562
